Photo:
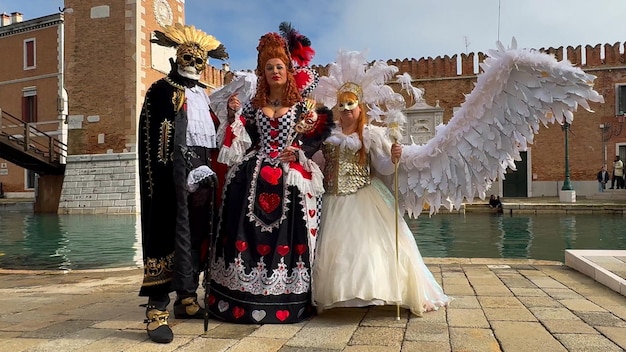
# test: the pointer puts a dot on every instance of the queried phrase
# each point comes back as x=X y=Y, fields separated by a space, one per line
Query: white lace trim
x=196 y=176
x=240 y=143
x=257 y=281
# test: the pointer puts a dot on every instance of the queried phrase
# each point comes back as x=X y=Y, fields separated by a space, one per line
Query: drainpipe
x=62 y=94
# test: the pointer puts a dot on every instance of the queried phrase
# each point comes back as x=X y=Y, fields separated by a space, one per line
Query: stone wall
x=100 y=184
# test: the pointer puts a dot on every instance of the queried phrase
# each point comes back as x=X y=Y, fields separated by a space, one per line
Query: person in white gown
x=355 y=262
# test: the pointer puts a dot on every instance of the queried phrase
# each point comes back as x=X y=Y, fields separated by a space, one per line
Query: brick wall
x=448 y=79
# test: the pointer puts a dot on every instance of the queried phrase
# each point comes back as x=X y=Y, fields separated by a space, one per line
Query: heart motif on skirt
x=311 y=212
x=314 y=231
x=282 y=315
x=211 y=300
x=241 y=245
x=222 y=306
x=274 y=123
x=238 y=312
x=263 y=249
x=271 y=174
x=258 y=315
x=273 y=154
x=282 y=250
x=269 y=201
x=274 y=133
x=300 y=248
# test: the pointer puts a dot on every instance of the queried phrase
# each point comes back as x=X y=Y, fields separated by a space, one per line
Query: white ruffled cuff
x=196 y=176
x=234 y=153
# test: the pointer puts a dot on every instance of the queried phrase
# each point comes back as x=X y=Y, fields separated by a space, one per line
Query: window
x=29 y=54
x=620 y=100
x=29 y=105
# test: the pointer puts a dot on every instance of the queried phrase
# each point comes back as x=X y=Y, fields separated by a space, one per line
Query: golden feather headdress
x=177 y=35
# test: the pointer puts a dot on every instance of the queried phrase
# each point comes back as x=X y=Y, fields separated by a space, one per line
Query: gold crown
x=353 y=88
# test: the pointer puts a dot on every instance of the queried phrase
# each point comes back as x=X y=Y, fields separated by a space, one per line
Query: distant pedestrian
x=603 y=178
x=618 y=173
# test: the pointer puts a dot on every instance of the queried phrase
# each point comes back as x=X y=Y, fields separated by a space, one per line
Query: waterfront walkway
x=499 y=305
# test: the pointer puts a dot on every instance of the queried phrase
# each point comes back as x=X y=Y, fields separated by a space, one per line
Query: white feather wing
x=517 y=91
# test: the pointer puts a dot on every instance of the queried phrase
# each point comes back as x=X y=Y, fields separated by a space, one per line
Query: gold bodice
x=342 y=172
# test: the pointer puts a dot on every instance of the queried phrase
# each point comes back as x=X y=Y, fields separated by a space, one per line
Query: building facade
x=109 y=64
x=31 y=85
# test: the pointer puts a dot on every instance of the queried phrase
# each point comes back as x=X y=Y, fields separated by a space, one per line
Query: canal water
x=71 y=242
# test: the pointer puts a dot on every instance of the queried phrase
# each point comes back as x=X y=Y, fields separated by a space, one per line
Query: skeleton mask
x=191 y=60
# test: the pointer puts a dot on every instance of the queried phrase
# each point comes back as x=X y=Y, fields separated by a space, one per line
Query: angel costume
x=353 y=257
x=356 y=260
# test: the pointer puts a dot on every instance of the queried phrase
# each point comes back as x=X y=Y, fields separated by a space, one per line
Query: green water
x=71 y=242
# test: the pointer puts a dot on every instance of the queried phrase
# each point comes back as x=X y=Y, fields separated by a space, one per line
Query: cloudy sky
x=390 y=29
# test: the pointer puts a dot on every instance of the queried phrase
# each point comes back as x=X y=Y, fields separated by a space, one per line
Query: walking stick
x=211 y=250
x=396 y=206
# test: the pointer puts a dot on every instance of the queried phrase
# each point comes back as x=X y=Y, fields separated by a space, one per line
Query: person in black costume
x=176 y=136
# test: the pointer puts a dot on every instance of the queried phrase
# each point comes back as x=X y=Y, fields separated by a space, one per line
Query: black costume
x=176 y=136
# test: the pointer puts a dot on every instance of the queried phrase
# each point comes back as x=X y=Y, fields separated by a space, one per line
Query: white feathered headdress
x=351 y=72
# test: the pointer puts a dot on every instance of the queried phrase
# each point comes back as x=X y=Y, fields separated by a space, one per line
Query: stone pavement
x=499 y=305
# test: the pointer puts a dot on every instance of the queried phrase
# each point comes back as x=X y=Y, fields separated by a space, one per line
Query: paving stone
x=518 y=282
x=528 y=292
x=525 y=336
x=206 y=345
x=306 y=349
x=472 y=339
x=553 y=314
x=118 y=341
x=499 y=302
x=617 y=335
x=454 y=278
x=278 y=331
x=566 y=326
x=328 y=336
x=464 y=302
x=601 y=319
x=362 y=348
x=178 y=342
x=231 y=331
x=493 y=290
x=533 y=273
x=546 y=282
x=547 y=302
x=587 y=343
x=581 y=305
x=458 y=290
x=514 y=314
x=257 y=344
x=386 y=317
x=75 y=341
x=426 y=332
x=425 y=346
x=436 y=316
x=377 y=336
x=471 y=318
x=59 y=330
x=22 y=344
x=562 y=293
